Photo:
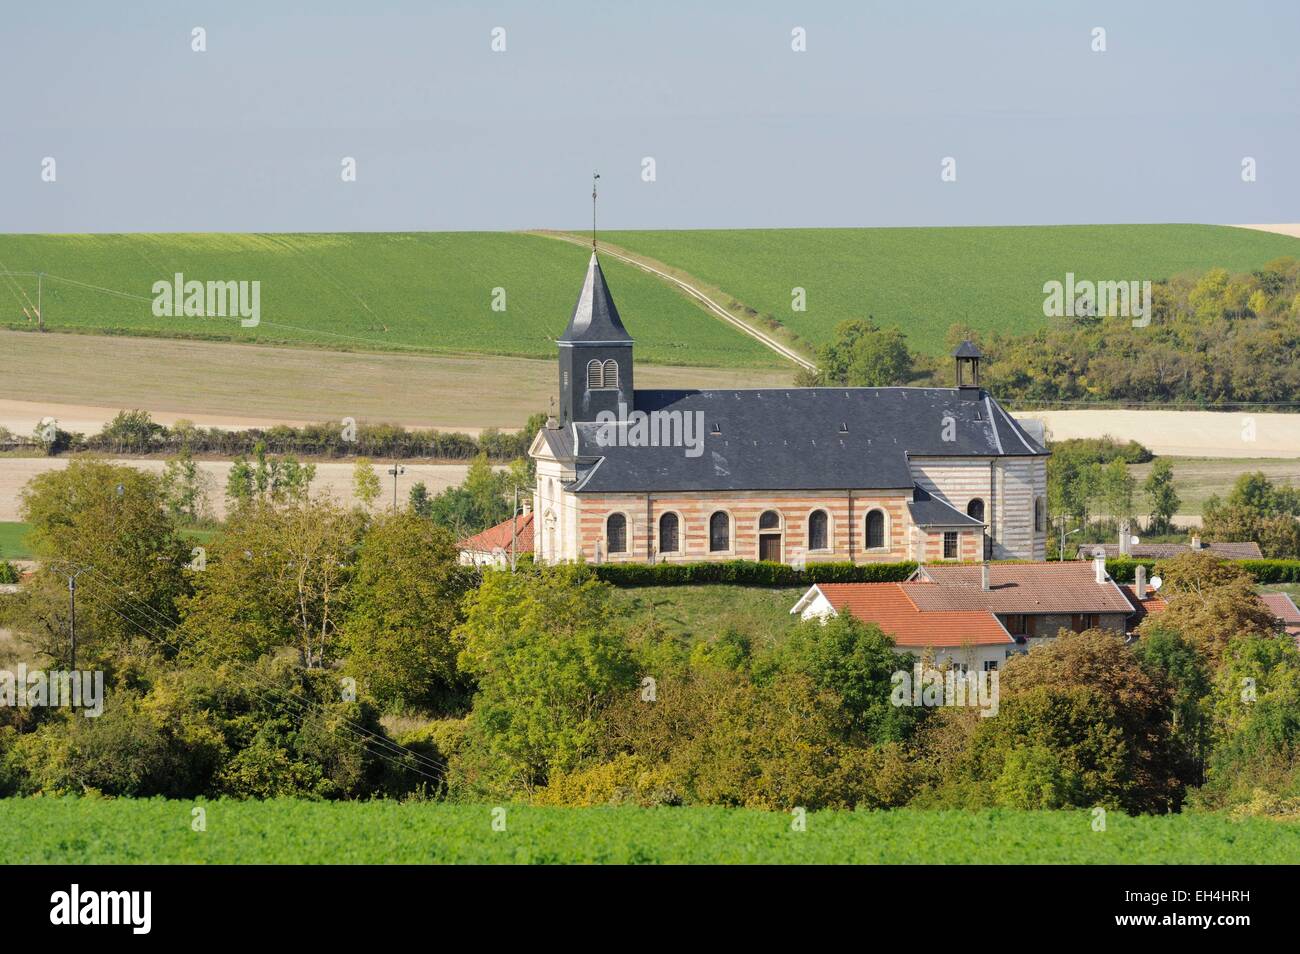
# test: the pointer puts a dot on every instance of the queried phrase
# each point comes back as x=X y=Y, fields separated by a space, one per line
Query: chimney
x=984 y=576
x=527 y=506
x=1125 y=540
x=1196 y=541
x=1140 y=581
x=1099 y=565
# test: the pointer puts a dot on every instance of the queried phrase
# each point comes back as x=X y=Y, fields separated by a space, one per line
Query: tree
x=365 y=482
x=856 y=661
x=862 y=355
x=185 y=488
x=421 y=503
x=131 y=431
x=1161 y=496
x=1117 y=485
x=112 y=519
x=1210 y=601
x=547 y=660
x=277 y=577
x=405 y=601
x=269 y=480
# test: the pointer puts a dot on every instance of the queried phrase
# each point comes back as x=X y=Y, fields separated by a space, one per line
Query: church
x=792 y=475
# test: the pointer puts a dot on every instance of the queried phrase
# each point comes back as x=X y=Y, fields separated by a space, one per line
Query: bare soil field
x=1249 y=434
x=332 y=477
x=83 y=380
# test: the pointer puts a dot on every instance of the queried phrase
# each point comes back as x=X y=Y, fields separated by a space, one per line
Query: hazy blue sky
x=149 y=135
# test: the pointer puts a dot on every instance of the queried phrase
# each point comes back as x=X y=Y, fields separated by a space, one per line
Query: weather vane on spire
x=594 y=177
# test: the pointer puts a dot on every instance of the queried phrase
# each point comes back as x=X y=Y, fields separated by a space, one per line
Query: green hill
x=432 y=291
x=429 y=292
x=925 y=279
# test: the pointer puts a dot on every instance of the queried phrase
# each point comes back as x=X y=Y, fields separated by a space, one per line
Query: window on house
x=611 y=373
x=669 y=538
x=950 y=545
x=719 y=532
x=817 y=526
x=1015 y=624
x=616 y=533
x=990 y=665
x=1040 y=515
x=1081 y=621
x=771 y=520
x=975 y=510
x=595 y=375
x=876 y=530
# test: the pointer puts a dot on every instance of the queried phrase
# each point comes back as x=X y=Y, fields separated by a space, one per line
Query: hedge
x=1263 y=571
x=751 y=573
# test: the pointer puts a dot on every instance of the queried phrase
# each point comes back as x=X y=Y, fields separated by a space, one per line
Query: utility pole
x=40 y=313
x=396 y=471
x=72 y=607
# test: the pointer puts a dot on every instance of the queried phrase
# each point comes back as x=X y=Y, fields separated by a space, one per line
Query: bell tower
x=595 y=354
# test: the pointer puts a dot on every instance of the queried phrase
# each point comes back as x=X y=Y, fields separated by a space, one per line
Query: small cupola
x=968 y=366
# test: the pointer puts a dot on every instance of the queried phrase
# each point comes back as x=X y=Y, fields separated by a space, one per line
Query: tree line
x=1214 y=339
x=328 y=652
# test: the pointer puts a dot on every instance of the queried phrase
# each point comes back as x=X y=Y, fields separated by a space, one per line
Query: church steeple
x=595 y=316
x=595 y=353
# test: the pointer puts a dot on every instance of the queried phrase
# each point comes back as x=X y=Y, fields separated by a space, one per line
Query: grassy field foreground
x=35 y=831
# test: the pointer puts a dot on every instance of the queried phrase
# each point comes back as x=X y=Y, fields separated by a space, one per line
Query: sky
x=250 y=134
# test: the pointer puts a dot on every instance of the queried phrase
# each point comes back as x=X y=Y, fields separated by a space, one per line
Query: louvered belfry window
x=595 y=375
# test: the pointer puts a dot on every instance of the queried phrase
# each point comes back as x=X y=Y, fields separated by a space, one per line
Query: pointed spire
x=595 y=317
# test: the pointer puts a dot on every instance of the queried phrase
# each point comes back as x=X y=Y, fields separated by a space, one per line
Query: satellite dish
x=1134 y=540
x=1155 y=582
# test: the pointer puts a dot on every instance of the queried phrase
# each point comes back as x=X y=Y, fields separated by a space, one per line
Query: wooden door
x=769 y=547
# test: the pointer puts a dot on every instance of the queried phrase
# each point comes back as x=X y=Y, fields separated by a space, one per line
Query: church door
x=769 y=547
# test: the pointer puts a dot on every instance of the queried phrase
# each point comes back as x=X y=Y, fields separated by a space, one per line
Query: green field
x=925 y=279
x=156 y=831
x=423 y=292
x=431 y=292
x=11 y=541
x=702 y=613
x=1198 y=478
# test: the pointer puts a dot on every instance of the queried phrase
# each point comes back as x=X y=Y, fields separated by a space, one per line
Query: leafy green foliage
x=404 y=604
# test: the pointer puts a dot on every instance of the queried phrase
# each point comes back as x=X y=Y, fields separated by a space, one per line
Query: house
x=1161 y=551
x=794 y=475
x=953 y=609
x=492 y=546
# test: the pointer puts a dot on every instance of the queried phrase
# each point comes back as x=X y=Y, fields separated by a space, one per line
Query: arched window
x=595 y=375
x=975 y=510
x=770 y=520
x=1040 y=515
x=611 y=373
x=876 y=530
x=669 y=540
x=616 y=533
x=817 y=526
x=719 y=532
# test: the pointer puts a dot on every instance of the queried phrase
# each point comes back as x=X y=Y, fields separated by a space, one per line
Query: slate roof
x=595 y=317
x=1069 y=587
x=1160 y=551
x=888 y=606
x=967 y=349
x=795 y=439
x=928 y=511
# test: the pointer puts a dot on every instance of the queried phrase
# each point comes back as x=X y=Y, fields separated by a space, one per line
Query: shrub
x=751 y=573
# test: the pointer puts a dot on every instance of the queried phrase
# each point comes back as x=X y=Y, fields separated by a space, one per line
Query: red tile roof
x=888 y=606
x=1068 y=587
x=1144 y=608
x=499 y=537
x=1281 y=606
